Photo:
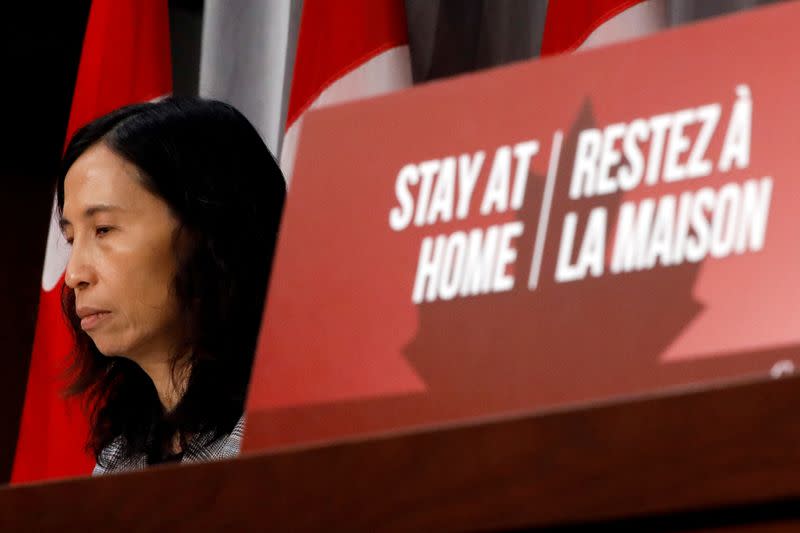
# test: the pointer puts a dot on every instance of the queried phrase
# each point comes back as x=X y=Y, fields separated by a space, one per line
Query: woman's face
x=122 y=263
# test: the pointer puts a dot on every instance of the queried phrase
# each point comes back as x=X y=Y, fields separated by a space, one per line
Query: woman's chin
x=107 y=352
x=109 y=349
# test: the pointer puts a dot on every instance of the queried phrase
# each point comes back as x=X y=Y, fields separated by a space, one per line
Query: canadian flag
x=571 y=25
x=362 y=51
x=125 y=59
x=343 y=55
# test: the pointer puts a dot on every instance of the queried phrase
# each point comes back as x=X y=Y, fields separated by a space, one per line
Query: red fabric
x=569 y=23
x=125 y=59
x=333 y=41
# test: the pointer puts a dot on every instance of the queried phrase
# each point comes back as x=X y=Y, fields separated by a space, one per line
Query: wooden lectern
x=557 y=294
x=721 y=459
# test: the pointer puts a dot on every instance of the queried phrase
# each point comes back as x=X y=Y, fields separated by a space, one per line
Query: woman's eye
x=102 y=230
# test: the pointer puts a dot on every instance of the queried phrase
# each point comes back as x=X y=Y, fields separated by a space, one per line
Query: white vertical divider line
x=544 y=213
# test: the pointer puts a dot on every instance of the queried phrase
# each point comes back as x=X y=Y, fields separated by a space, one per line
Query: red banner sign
x=596 y=226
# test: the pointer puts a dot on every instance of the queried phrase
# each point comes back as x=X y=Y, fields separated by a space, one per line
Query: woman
x=172 y=211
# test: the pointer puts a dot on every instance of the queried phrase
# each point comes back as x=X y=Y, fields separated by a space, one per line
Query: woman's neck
x=169 y=385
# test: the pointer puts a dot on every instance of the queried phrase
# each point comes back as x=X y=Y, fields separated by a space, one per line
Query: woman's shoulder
x=114 y=458
x=225 y=447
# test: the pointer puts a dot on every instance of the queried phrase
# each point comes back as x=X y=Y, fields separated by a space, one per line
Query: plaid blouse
x=199 y=449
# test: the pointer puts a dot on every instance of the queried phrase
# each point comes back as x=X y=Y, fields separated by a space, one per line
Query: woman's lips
x=91 y=321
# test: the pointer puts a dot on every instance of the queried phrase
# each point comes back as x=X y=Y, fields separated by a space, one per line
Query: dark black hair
x=210 y=166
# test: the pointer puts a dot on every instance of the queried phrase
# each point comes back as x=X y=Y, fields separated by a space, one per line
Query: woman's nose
x=80 y=273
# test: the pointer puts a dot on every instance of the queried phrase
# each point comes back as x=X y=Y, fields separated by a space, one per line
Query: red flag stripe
x=123 y=38
x=568 y=23
x=334 y=41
